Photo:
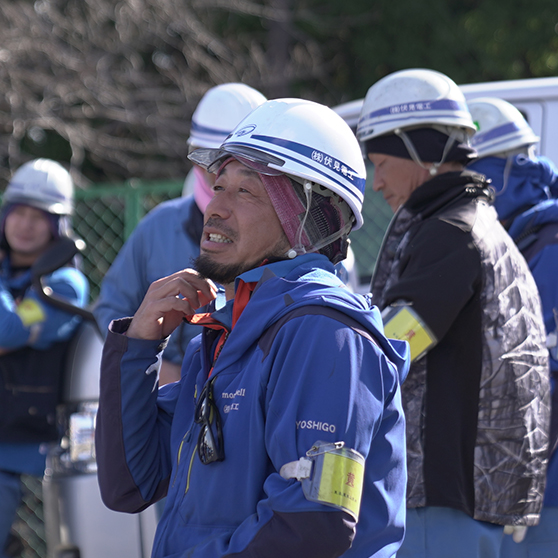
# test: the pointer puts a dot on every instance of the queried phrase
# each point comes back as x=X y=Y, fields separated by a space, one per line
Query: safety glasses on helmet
x=211 y=159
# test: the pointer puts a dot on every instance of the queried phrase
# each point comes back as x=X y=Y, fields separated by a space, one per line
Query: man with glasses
x=285 y=435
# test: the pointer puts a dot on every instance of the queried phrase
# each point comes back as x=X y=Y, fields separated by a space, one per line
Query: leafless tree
x=114 y=83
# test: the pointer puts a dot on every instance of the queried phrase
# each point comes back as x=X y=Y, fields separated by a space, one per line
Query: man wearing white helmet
x=525 y=186
x=33 y=335
x=451 y=281
x=168 y=238
x=285 y=434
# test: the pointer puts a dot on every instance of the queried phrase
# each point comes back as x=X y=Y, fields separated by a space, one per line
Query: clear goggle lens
x=258 y=161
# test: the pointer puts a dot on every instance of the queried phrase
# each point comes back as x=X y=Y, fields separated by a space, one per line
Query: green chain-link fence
x=29 y=541
x=105 y=216
x=367 y=240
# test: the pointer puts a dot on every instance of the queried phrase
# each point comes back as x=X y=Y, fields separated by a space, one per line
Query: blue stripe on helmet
x=364 y=126
x=420 y=107
x=316 y=156
x=360 y=183
x=504 y=129
x=198 y=128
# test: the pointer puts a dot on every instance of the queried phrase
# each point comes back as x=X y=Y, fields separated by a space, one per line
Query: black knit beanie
x=429 y=144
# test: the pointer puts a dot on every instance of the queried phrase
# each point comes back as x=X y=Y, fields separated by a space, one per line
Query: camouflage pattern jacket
x=478 y=403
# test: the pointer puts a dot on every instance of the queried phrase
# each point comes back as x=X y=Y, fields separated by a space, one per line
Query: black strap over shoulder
x=267 y=338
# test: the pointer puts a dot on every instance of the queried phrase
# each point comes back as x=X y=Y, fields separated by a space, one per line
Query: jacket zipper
x=190 y=469
x=178 y=456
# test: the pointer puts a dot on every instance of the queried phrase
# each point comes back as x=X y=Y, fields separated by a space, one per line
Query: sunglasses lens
x=207 y=446
x=210 y=446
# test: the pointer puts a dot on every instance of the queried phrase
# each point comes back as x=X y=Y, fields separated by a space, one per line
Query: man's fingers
x=167 y=301
x=159 y=307
x=186 y=283
x=157 y=318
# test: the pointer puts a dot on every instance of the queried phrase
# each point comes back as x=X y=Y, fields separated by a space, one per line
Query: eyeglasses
x=210 y=439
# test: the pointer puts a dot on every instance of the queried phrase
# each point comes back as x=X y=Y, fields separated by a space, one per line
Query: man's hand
x=168 y=301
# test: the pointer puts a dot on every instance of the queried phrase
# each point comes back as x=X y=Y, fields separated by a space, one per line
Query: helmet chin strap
x=299 y=247
x=506 y=176
x=296 y=249
x=433 y=170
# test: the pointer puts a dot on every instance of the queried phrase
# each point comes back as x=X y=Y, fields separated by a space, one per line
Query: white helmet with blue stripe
x=501 y=127
x=415 y=98
x=219 y=111
x=299 y=138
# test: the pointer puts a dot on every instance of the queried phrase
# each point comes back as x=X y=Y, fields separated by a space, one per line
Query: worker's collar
x=280 y=269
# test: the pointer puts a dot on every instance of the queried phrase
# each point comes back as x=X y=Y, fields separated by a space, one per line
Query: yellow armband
x=30 y=312
x=402 y=322
x=331 y=475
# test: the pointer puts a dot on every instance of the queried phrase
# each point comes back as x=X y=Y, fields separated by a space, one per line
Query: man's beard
x=226 y=274
x=222 y=274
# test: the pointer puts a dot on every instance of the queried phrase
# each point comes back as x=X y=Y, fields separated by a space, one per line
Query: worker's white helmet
x=416 y=98
x=299 y=138
x=219 y=111
x=501 y=127
x=44 y=184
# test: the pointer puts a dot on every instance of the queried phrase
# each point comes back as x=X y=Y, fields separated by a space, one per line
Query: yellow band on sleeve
x=30 y=312
x=402 y=322
x=341 y=482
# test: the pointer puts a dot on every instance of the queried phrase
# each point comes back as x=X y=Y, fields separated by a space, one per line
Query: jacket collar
x=445 y=188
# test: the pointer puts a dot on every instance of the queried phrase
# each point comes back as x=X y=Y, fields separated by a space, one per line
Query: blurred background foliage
x=109 y=87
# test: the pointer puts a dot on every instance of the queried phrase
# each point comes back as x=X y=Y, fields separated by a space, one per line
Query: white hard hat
x=219 y=111
x=301 y=139
x=501 y=127
x=44 y=184
x=416 y=98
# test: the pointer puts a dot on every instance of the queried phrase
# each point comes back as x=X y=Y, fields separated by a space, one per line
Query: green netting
x=106 y=215
x=29 y=526
x=367 y=240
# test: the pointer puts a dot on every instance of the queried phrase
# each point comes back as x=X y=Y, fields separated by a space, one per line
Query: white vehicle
x=536 y=98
